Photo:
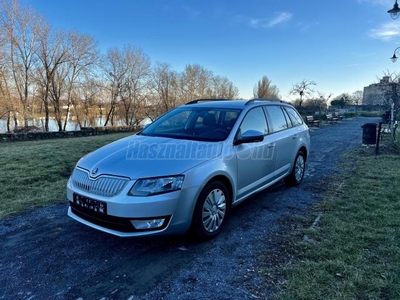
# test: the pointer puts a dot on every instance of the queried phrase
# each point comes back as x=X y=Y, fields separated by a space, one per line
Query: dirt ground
x=46 y=255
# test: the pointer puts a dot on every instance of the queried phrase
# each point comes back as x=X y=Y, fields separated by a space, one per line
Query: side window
x=277 y=118
x=294 y=116
x=288 y=120
x=254 y=120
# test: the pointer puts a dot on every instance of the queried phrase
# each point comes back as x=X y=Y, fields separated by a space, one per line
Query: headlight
x=154 y=186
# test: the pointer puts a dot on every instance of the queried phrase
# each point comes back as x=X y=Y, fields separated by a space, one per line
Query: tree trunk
x=109 y=115
x=9 y=122
x=67 y=116
x=26 y=94
x=15 y=120
x=57 y=115
x=46 y=118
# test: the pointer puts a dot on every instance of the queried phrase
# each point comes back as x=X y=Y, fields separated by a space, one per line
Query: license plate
x=90 y=204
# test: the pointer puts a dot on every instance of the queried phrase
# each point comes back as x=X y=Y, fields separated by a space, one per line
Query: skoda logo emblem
x=94 y=171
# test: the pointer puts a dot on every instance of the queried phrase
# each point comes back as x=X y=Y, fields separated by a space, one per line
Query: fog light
x=148 y=224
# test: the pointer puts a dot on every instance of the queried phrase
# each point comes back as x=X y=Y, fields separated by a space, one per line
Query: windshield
x=194 y=123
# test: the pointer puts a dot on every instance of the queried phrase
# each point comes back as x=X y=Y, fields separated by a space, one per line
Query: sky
x=341 y=45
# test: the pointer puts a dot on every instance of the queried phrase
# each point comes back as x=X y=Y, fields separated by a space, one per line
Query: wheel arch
x=304 y=150
x=197 y=224
x=225 y=180
x=219 y=177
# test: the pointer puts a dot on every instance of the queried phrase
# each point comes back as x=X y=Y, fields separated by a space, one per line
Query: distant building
x=374 y=93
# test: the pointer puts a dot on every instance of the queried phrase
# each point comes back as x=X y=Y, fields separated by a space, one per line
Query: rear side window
x=277 y=118
x=294 y=116
x=288 y=120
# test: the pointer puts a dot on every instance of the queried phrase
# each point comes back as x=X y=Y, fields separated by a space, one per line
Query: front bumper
x=124 y=212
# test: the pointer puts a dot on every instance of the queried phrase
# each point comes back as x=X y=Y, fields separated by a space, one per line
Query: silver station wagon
x=189 y=167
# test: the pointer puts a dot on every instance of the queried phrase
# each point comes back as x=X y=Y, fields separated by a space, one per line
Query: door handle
x=272 y=145
x=295 y=136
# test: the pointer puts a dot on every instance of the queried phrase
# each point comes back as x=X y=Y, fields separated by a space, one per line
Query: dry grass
x=356 y=249
x=35 y=173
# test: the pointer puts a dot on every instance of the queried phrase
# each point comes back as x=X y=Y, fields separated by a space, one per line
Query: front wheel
x=211 y=210
x=299 y=168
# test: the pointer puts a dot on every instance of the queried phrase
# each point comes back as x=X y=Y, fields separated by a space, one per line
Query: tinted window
x=254 y=120
x=277 y=118
x=294 y=116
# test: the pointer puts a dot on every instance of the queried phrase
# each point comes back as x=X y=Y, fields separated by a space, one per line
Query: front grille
x=106 y=221
x=104 y=185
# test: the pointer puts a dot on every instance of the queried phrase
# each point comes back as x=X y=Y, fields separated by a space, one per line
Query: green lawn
x=353 y=252
x=35 y=173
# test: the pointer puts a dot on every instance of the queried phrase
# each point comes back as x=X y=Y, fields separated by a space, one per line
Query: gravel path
x=46 y=255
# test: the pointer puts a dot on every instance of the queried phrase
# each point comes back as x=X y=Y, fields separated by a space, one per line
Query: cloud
x=280 y=18
x=306 y=26
x=386 y=32
x=190 y=11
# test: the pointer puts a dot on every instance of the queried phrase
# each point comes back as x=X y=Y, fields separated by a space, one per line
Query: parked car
x=188 y=168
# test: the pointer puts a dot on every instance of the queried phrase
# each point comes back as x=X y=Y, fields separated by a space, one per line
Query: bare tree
x=165 y=88
x=20 y=28
x=52 y=53
x=357 y=97
x=115 y=70
x=303 y=89
x=265 y=89
x=171 y=89
x=83 y=56
x=5 y=95
x=86 y=109
x=198 y=82
x=128 y=71
x=136 y=84
x=389 y=85
x=390 y=89
x=321 y=102
x=222 y=87
x=55 y=72
x=195 y=82
x=7 y=105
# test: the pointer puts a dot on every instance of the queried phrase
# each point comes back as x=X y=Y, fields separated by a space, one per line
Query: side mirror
x=249 y=136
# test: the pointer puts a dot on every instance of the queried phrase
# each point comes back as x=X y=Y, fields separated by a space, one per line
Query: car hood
x=142 y=156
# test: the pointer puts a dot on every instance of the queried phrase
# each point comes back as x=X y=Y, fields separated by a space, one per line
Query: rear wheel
x=211 y=210
x=299 y=168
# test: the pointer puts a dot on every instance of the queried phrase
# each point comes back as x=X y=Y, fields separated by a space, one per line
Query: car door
x=255 y=161
x=286 y=138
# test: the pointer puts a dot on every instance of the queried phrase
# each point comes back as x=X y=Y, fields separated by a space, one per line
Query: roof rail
x=264 y=99
x=201 y=100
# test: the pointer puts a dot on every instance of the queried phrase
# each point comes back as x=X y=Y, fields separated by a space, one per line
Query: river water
x=71 y=125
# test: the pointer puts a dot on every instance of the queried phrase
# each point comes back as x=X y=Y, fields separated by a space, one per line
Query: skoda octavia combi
x=188 y=168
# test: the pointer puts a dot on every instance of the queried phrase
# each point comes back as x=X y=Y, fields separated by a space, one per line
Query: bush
x=370 y=114
x=349 y=115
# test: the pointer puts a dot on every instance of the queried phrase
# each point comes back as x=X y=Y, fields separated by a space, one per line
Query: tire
x=299 y=167
x=211 y=211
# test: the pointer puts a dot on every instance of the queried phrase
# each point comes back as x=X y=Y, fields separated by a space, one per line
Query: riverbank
x=88 y=131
